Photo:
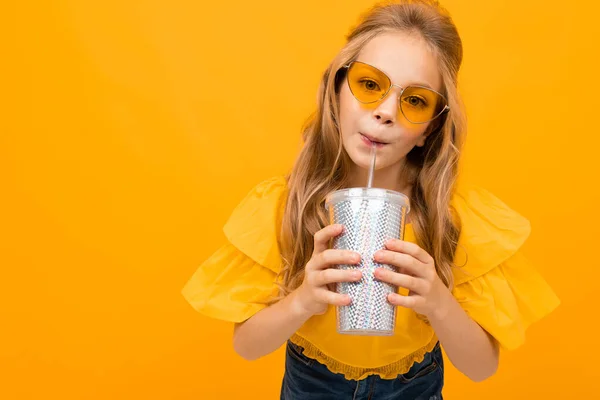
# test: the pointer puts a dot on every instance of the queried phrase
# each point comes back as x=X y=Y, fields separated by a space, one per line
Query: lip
x=369 y=140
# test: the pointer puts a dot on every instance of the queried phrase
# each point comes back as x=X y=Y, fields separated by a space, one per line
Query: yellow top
x=495 y=285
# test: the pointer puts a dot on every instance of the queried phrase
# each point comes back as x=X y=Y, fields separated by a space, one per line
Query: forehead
x=405 y=58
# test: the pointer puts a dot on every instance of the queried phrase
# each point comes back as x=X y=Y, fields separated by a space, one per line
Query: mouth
x=370 y=140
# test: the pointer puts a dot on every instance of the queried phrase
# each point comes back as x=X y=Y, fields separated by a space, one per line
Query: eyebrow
x=422 y=84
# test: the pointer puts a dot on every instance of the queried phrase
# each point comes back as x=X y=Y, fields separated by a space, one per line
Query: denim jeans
x=306 y=378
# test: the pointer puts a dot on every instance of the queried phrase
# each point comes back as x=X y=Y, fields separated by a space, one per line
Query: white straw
x=372 y=169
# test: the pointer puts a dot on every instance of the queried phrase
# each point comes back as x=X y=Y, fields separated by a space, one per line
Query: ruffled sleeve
x=494 y=282
x=239 y=279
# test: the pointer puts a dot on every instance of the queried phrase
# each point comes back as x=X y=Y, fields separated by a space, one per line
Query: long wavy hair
x=323 y=164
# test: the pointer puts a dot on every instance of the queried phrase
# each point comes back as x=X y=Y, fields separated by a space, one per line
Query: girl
x=464 y=281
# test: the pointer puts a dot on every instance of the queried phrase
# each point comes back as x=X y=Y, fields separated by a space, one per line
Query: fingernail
x=356 y=274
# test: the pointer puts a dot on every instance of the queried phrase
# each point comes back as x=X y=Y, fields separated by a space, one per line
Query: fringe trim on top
x=389 y=371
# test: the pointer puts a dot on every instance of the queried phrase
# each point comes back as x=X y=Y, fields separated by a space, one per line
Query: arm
x=470 y=348
x=269 y=328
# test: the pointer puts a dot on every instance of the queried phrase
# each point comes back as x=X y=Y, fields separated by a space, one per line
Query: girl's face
x=405 y=59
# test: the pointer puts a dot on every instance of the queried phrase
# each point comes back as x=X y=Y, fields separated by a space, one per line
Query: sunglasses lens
x=367 y=83
x=420 y=104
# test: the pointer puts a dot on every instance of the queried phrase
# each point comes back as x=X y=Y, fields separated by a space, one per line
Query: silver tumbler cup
x=370 y=216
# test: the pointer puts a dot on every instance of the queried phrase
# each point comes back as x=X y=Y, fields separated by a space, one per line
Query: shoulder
x=254 y=223
x=268 y=188
x=491 y=231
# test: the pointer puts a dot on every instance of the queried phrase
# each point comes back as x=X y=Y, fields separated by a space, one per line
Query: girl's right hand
x=315 y=294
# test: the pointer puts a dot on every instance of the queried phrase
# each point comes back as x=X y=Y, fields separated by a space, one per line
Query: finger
x=323 y=237
x=403 y=301
x=331 y=257
x=336 y=299
x=409 y=248
x=407 y=263
x=331 y=275
x=411 y=283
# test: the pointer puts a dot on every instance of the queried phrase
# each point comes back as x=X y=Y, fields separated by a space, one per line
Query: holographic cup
x=370 y=216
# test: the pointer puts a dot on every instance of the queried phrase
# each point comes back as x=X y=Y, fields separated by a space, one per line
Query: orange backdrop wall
x=130 y=129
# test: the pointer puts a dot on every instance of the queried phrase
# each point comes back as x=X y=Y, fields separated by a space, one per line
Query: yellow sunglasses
x=418 y=104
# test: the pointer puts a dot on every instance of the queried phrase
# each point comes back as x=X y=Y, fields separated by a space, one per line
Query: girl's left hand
x=417 y=273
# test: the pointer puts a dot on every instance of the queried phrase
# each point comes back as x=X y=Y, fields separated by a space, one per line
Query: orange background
x=130 y=130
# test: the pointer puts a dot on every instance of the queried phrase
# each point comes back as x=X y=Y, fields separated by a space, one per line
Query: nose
x=388 y=108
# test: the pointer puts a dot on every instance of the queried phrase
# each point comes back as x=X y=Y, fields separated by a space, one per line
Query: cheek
x=414 y=132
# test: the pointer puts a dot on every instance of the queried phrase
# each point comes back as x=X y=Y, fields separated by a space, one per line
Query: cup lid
x=370 y=193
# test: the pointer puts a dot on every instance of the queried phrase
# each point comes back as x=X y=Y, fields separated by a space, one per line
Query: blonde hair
x=323 y=165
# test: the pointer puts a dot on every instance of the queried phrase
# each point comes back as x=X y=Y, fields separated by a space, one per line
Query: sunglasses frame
x=402 y=89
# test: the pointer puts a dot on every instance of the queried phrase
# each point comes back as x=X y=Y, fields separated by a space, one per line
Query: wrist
x=441 y=312
x=297 y=306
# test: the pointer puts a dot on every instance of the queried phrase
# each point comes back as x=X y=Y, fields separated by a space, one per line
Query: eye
x=415 y=101
x=370 y=85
